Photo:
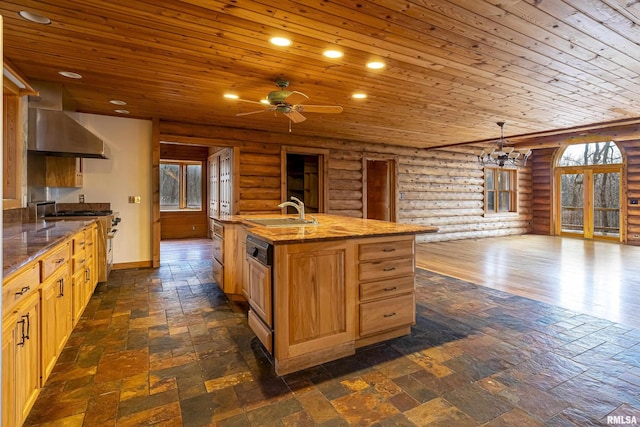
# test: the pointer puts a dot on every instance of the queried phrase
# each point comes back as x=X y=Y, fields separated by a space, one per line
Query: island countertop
x=23 y=242
x=329 y=227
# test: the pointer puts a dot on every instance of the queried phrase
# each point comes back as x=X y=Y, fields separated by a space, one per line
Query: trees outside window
x=180 y=185
x=590 y=189
x=500 y=190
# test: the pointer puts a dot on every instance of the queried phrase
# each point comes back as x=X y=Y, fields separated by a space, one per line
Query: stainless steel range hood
x=52 y=129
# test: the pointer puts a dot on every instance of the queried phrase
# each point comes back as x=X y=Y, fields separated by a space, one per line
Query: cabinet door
x=226 y=181
x=49 y=291
x=78 y=295
x=9 y=415
x=27 y=366
x=260 y=290
x=214 y=188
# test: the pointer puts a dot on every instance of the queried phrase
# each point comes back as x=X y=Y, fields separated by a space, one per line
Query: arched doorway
x=589 y=191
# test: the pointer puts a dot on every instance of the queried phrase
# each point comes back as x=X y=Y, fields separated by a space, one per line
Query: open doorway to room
x=589 y=191
x=379 y=176
x=304 y=176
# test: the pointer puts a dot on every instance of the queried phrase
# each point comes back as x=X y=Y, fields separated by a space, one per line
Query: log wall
x=632 y=151
x=441 y=187
x=542 y=179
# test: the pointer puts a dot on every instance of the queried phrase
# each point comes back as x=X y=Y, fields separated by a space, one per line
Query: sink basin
x=280 y=222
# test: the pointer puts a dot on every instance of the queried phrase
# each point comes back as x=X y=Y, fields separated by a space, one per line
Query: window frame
x=495 y=193
x=183 y=196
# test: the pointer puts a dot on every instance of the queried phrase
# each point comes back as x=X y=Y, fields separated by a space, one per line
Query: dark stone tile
x=414 y=388
x=478 y=403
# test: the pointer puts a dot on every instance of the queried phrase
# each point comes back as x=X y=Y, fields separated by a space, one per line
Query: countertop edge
x=9 y=270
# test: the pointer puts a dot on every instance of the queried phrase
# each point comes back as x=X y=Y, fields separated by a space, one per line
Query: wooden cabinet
x=314 y=303
x=56 y=301
x=41 y=302
x=84 y=271
x=21 y=359
x=259 y=293
x=385 y=288
x=63 y=171
x=228 y=257
x=222 y=170
x=20 y=343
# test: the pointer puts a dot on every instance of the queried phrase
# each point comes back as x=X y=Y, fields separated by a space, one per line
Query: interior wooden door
x=379 y=190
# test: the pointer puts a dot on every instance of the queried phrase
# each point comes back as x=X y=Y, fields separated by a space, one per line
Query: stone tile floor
x=165 y=347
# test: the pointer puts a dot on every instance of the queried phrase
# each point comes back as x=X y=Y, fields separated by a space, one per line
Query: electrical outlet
x=193 y=228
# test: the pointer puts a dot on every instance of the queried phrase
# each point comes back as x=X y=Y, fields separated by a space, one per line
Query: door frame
x=323 y=172
x=392 y=162
x=588 y=171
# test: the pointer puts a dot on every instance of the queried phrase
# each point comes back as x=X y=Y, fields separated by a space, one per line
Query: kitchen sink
x=281 y=222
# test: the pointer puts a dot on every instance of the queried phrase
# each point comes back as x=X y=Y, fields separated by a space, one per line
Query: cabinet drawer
x=263 y=333
x=385 y=269
x=386 y=288
x=79 y=242
x=19 y=286
x=390 y=313
x=384 y=250
x=218 y=273
x=55 y=259
x=79 y=260
x=218 y=229
x=217 y=248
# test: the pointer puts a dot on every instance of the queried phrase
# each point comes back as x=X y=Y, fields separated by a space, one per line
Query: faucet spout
x=299 y=206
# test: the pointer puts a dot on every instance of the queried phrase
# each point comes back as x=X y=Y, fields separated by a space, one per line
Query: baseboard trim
x=128 y=265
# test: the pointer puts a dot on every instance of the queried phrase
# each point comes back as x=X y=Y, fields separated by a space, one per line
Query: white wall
x=126 y=173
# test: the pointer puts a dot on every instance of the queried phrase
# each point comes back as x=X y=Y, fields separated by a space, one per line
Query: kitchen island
x=323 y=290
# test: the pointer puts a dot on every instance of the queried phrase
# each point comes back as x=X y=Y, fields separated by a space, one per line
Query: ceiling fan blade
x=295 y=116
x=319 y=108
x=254 y=112
x=296 y=98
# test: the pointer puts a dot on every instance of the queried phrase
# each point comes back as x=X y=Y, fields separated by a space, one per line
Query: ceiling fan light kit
x=504 y=155
x=289 y=104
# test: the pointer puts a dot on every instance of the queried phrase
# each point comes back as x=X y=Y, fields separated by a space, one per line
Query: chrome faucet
x=299 y=206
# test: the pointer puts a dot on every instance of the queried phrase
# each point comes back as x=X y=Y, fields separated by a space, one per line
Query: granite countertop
x=331 y=227
x=24 y=242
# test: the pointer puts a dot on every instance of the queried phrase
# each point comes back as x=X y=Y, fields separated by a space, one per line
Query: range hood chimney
x=54 y=131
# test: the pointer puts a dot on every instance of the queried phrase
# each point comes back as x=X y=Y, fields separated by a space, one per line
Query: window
x=597 y=153
x=500 y=193
x=180 y=185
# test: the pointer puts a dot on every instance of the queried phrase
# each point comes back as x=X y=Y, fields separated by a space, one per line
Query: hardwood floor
x=177 y=250
x=598 y=278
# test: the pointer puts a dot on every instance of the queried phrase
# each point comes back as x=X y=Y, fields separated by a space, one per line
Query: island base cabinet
x=314 y=301
x=20 y=361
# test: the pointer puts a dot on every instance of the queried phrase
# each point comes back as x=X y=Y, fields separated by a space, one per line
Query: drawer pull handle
x=389 y=250
x=390 y=289
x=390 y=315
x=24 y=290
x=389 y=269
x=61 y=287
x=59 y=261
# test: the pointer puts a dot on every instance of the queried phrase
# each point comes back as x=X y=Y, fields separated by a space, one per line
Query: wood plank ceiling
x=453 y=67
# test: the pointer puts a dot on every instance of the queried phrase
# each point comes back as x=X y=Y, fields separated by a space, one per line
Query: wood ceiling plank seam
x=582 y=65
x=572 y=35
x=625 y=25
x=626 y=8
x=569 y=14
x=570 y=49
x=596 y=92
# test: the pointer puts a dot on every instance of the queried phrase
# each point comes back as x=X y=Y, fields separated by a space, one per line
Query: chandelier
x=503 y=155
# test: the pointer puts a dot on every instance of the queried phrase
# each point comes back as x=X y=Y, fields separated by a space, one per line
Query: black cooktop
x=82 y=213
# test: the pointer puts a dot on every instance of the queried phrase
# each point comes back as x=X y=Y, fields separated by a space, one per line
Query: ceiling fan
x=289 y=104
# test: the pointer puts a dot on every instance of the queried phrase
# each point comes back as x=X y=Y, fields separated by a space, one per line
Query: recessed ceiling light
x=375 y=65
x=280 y=41
x=359 y=95
x=332 y=54
x=117 y=102
x=70 y=74
x=122 y=111
x=34 y=17
x=231 y=96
